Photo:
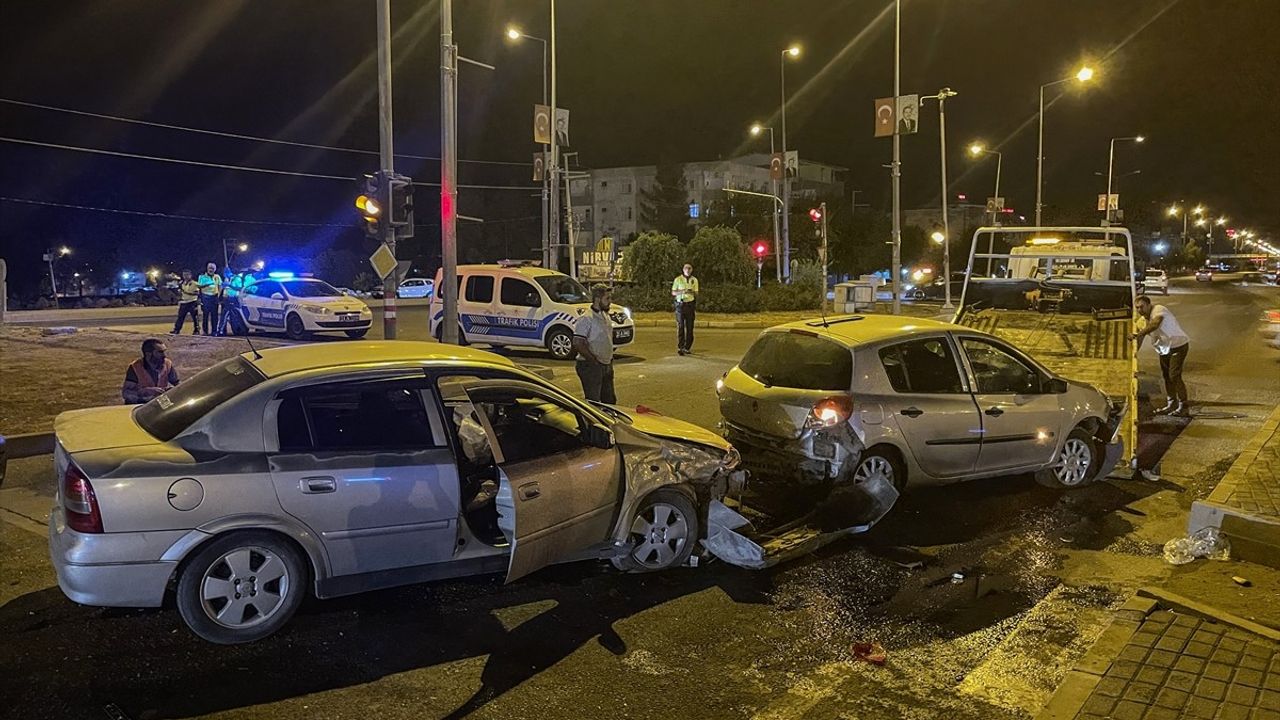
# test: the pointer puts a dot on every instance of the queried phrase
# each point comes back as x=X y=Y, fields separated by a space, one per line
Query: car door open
x=559 y=489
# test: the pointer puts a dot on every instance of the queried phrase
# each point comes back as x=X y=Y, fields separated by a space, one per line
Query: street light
x=516 y=34
x=756 y=129
x=785 y=260
x=1085 y=74
x=1111 y=162
x=938 y=237
x=227 y=254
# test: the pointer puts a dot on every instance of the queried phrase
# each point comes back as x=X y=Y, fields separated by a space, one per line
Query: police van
x=517 y=303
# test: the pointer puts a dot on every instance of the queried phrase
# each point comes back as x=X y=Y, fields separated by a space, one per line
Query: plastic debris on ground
x=726 y=543
x=1242 y=582
x=1204 y=543
x=872 y=652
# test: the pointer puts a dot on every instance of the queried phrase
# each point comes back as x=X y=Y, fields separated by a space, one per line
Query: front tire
x=241 y=587
x=294 y=327
x=663 y=533
x=357 y=334
x=560 y=344
x=1075 y=464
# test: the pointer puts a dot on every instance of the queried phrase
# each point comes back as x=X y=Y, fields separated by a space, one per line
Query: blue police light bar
x=280 y=275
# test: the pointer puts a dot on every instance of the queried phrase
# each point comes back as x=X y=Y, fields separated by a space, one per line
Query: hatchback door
x=931 y=405
x=366 y=465
x=780 y=379
x=559 y=495
x=1020 y=422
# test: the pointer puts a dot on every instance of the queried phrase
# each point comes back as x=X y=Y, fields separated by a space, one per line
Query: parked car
x=1204 y=274
x=1154 y=280
x=300 y=306
x=855 y=398
x=365 y=465
x=519 y=304
x=1269 y=328
x=415 y=288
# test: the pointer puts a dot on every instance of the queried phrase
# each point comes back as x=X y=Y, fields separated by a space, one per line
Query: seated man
x=149 y=375
x=479 y=481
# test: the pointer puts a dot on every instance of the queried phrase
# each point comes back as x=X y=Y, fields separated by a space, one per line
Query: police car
x=512 y=303
x=300 y=306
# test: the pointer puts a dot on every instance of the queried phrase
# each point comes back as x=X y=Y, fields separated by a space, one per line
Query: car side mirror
x=1056 y=386
x=277 y=296
x=597 y=436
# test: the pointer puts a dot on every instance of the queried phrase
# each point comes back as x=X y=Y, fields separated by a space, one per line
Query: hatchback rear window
x=795 y=360
x=175 y=411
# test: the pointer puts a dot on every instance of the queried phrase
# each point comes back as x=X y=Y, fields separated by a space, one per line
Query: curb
x=27 y=445
x=1189 y=606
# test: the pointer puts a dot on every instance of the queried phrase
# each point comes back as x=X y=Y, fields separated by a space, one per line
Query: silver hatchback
x=341 y=468
x=855 y=399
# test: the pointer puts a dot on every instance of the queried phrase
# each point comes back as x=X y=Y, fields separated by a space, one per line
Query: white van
x=519 y=304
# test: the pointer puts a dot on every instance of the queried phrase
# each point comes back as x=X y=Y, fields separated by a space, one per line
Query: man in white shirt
x=593 y=339
x=1171 y=343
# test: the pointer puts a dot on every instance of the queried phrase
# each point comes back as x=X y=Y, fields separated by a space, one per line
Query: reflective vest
x=210 y=285
x=147 y=380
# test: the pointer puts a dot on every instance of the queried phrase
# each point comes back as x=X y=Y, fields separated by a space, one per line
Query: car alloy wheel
x=662 y=533
x=1074 y=462
x=244 y=588
x=560 y=343
x=874 y=467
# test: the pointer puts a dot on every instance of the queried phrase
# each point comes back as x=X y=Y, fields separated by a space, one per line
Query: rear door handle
x=995 y=412
x=530 y=491
x=912 y=412
x=318 y=484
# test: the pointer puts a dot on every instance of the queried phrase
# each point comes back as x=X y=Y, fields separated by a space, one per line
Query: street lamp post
x=553 y=217
x=941 y=97
x=514 y=33
x=977 y=149
x=784 y=261
x=773 y=187
x=228 y=254
x=1083 y=75
x=1111 y=163
x=50 y=255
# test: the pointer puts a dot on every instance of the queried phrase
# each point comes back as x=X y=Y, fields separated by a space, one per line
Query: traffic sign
x=995 y=204
x=383 y=261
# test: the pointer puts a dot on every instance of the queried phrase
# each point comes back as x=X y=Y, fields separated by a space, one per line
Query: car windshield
x=310 y=288
x=564 y=289
x=175 y=411
x=799 y=360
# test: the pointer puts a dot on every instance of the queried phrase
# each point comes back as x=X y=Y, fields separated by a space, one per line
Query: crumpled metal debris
x=1207 y=542
x=726 y=543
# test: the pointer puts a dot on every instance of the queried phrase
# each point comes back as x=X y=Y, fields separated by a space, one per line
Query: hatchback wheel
x=1075 y=464
x=357 y=334
x=663 y=533
x=241 y=587
x=560 y=343
x=294 y=328
x=875 y=466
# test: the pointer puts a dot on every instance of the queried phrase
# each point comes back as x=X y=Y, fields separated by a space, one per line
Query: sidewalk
x=769 y=319
x=1246 y=504
x=1164 y=657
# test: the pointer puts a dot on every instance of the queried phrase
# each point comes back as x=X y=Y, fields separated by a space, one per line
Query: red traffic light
x=760 y=249
x=815 y=214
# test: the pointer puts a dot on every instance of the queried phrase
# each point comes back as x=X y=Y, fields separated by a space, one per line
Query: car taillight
x=1273 y=316
x=830 y=412
x=79 y=504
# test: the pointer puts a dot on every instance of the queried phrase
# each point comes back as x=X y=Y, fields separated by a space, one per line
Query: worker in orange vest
x=149 y=375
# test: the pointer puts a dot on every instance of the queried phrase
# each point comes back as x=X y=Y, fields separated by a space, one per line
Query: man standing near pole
x=593 y=339
x=685 y=291
x=210 y=283
x=1171 y=344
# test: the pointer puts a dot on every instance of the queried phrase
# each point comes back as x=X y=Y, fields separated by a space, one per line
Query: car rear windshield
x=310 y=288
x=564 y=289
x=799 y=360
x=175 y=411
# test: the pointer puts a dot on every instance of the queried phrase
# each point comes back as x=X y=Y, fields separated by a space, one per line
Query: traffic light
x=815 y=214
x=372 y=208
x=760 y=250
x=400 y=205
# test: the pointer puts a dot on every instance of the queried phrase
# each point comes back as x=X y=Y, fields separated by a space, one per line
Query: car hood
x=658 y=425
x=336 y=304
x=100 y=428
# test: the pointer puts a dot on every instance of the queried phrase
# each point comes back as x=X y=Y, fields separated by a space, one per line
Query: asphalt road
x=1039 y=571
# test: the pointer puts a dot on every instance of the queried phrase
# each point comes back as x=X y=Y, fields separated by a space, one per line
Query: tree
x=653 y=259
x=664 y=207
x=364 y=282
x=720 y=258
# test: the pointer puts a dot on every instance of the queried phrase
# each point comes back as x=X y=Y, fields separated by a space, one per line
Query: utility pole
x=387 y=157
x=897 y=161
x=553 y=232
x=448 y=174
x=941 y=97
x=823 y=209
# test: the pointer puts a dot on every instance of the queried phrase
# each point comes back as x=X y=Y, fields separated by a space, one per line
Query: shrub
x=653 y=260
x=789 y=297
x=719 y=257
x=808 y=273
x=730 y=299
x=115 y=303
x=643 y=299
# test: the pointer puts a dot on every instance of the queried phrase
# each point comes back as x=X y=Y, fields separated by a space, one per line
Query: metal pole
x=823 y=207
x=1111 y=162
x=226 y=259
x=784 y=259
x=991 y=236
x=554 y=164
x=546 y=180
x=897 y=162
x=448 y=175
x=53 y=282
x=777 y=234
x=943 y=94
x=387 y=157
x=1040 y=159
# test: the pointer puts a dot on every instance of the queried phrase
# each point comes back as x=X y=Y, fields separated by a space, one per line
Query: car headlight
x=627 y=311
x=315 y=309
x=732 y=458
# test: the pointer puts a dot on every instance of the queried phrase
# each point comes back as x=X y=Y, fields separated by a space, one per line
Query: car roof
x=863 y=329
x=529 y=271
x=314 y=356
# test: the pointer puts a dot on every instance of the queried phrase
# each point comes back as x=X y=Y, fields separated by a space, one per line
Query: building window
x=604 y=184
x=626 y=188
x=628 y=213
x=695 y=210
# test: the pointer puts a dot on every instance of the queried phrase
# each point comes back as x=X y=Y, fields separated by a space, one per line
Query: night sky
x=643 y=79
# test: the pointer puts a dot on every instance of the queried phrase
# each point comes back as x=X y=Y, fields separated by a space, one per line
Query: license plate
x=349 y=317
x=623 y=334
